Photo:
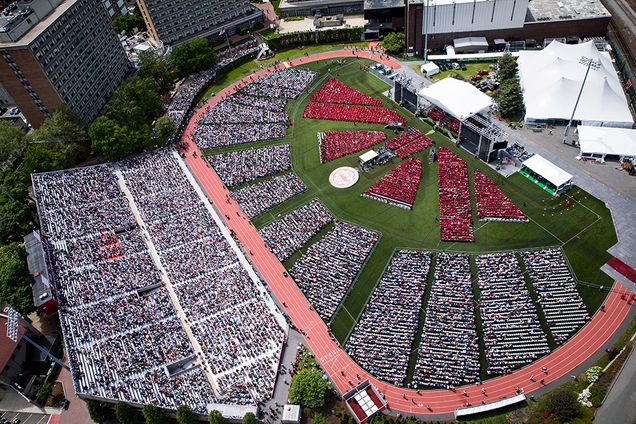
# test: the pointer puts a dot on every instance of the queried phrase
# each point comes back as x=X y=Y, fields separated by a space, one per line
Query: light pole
x=426 y=31
x=590 y=63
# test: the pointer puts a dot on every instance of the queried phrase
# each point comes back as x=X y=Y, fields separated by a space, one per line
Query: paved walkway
x=620 y=404
x=342 y=370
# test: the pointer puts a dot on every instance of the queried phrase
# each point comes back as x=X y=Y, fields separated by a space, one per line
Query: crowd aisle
x=381 y=340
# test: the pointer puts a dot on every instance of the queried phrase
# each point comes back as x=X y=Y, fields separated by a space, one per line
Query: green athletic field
x=584 y=230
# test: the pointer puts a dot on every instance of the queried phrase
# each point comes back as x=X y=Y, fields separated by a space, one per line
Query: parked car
x=456 y=66
x=463 y=66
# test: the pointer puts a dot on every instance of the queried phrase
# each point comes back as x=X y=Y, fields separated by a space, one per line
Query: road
x=620 y=404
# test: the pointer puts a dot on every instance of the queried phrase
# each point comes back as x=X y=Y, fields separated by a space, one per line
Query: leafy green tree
x=308 y=389
x=563 y=405
x=154 y=414
x=39 y=158
x=192 y=57
x=124 y=413
x=509 y=98
x=507 y=67
x=164 y=129
x=394 y=42
x=15 y=281
x=12 y=142
x=185 y=415
x=44 y=391
x=130 y=23
x=135 y=103
x=15 y=220
x=318 y=418
x=61 y=127
x=113 y=141
x=99 y=412
x=216 y=417
x=249 y=418
x=158 y=68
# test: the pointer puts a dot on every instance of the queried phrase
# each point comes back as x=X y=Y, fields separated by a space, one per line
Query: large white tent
x=597 y=142
x=551 y=173
x=551 y=80
x=458 y=98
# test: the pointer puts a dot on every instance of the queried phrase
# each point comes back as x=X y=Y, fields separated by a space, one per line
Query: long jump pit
x=344 y=177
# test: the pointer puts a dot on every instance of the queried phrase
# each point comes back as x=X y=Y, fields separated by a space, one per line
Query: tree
x=99 y=412
x=185 y=415
x=130 y=23
x=113 y=141
x=39 y=158
x=318 y=418
x=158 y=68
x=394 y=42
x=164 y=129
x=563 y=404
x=62 y=127
x=154 y=414
x=12 y=142
x=509 y=98
x=124 y=413
x=192 y=57
x=44 y=391
x=15 y=281
x=507 y=67
x=308 y=389
x=249 y=418
x=135 y=103
x=15 y=220
x=216 y=417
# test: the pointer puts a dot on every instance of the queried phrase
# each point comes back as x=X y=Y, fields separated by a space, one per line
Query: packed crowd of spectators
x=381 y=340
x=512 y=332
x=436 y=114
x=493 y=204
x=328 y=269
x=338 y=143
x=352 y=113
x=289 y=233
x=448 y=355
x=287 y=84
x=334 y=91
x=228 y=112
x=211 y=136
x=242 y=166
x=178 y=110
x=399 y=187
x=414 y=147
x=404 y=138
x=456 y=222
x=237 y=51
x=121 y=329
x=451 y=123
x=257 y=198
x=562 y=305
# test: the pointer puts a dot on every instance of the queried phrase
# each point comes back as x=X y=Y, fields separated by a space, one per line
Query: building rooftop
x=37 y=29
x=382 y=4
x=550 y=10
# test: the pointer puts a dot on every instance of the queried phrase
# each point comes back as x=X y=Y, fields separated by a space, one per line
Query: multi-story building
x=59 y=52
x=178 y=21
x=323 y=7
x=115 y=7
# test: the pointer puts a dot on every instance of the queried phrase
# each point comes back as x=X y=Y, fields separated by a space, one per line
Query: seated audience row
x=399 y=187
x=338 y=143
x=262 y=196
x=242 y=166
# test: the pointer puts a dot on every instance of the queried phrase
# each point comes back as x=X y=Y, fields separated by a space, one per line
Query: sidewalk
x=620 y=403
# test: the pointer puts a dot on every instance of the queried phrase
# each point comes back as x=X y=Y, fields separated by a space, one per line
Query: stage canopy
x=470 y=44
x=460 y=99
x=602 y=141
x=548 y=171
x=551 y=80
x=429 y=69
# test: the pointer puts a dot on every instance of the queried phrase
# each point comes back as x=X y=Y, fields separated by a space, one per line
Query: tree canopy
x=157 y=68
x=99 y=412
x=308 y=389
x=164 y=129
x=507 y=67
x=394 y=42
x=114 y=141
x=124 y=413
x=185 y=415
x=192 y=57
x=249 y=418
x=12 y=142
x=135 y=103
x=563 y=405
x=154 y=415
x=130 y=23
x=216 y=417
x=15 y=281
x=509 y=98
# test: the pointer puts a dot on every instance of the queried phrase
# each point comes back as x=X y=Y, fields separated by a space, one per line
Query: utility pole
x=425 y=31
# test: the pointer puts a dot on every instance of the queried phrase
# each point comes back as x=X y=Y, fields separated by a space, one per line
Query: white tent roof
x=547 y=170
x=460 y=99
x=551 y=80
x=430 y=68
x=609 y=141
x=291 y=414
x=371 y=154
x=462 y=43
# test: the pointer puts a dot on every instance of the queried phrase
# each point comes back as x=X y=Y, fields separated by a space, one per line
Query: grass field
x=584 y=230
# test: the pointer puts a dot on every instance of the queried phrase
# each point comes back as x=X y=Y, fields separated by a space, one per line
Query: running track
x=342 y=370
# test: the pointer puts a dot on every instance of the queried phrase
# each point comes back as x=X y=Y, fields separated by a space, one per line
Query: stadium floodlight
x=589 y=64
x=12 y=324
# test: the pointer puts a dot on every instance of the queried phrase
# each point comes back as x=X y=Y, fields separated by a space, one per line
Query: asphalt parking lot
x=25 y=417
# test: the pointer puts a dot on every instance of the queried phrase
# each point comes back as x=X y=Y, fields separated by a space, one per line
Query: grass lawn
x=584 y=229
x=471 y=69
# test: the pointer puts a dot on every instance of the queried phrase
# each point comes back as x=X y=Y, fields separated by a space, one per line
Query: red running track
x=342 y=370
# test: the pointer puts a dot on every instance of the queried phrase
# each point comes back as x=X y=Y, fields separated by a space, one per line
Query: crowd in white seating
x=242 y=166
x=512 y=332
x=328 y=269
x=262 y=196
x=229 y=112
x=381 y=340
x=448 y=355
x=211 y=136
x=287 y=83
x=561 y=303
x=288 y=234
x=231 y=53
x=123 y=336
